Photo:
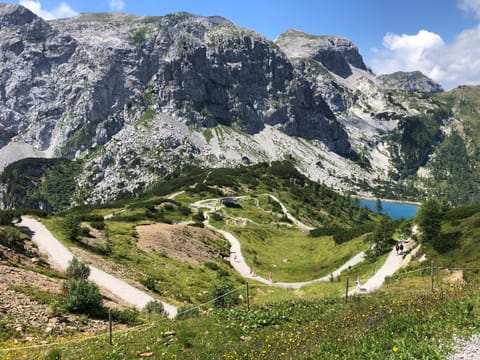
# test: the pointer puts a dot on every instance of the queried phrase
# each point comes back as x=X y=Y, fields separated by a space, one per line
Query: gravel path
x=59 y=257
x=393 y=263
x=468 y=349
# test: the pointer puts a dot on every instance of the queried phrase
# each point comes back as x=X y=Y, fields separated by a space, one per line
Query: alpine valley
x=111 y=103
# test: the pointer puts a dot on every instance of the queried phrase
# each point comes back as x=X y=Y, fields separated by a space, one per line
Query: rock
x=168 y=333
x=335 y=53
x=413 y=81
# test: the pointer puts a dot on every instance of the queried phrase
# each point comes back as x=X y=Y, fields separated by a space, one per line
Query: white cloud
x=470 y=5
x=61 y=11
x=451 y=65
x=117 y=5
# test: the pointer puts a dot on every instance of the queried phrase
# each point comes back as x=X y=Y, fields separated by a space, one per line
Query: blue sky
x=438 y=37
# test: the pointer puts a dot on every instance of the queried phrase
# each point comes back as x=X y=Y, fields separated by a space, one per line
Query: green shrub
x=99 y=225
x=198 y=217
x=77 y=269
x=11 y=237
x=127 y=316
x=154 y=307
x=224 y=294
x=211 y=265
x=71 y=226
x=83 y=296
x=8 y=216
x=198 y=224
x=187 y=312
x=149 y=283
x=54 y=354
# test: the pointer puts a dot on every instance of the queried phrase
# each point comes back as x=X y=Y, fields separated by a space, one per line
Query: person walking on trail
x=270 y=277
x=397 y=247
x=359 y=283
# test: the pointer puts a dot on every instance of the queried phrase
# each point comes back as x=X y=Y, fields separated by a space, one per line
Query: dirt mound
x=181 y=242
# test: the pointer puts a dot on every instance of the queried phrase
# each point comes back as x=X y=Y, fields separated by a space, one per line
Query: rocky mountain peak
x=413 y=81
x=24 y=22
x=336 y=53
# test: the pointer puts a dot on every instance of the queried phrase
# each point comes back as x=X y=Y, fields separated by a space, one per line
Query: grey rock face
x=68 y=85
x=335 y=53
x=413 y=81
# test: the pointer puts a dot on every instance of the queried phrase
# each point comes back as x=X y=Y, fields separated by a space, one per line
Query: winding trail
x=393 y=263
x=59 y=257
x=237 y=261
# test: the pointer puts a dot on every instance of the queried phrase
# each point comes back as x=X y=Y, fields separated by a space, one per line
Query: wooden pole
x=110 y=326
x=346 y=291
x=431 y=275
x=248 y=297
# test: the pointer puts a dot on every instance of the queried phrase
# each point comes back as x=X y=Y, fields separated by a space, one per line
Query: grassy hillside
x=149 y=242
x=454 y=164
x=309 y=323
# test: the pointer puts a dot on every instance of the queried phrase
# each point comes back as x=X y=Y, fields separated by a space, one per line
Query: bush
x=154 y=307
x=83 y=296
x=127 y=316
x=8 y=216
x=149 y=283
x=71 y=226
x=78 y=270
x=187 y=312
x=224 y=295
x=99 y=225
x=11 y=237
x=54 y=354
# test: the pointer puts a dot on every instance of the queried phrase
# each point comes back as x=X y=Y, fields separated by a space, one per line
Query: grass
x=287 y=252
x=35 y=294
x=377 y=326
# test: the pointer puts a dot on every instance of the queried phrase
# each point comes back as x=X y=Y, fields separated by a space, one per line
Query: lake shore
x=371 y=198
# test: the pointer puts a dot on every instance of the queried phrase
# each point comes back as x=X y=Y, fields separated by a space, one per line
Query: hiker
x=359 y=283
x=401 y=248
x=397 y=247
x=270 y=278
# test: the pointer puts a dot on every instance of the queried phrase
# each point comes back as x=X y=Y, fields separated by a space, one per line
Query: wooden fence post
x=431 y=275
x=110 y=326
x=346 y=291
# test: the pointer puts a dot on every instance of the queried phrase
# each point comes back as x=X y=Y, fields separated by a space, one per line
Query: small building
x=229 y=201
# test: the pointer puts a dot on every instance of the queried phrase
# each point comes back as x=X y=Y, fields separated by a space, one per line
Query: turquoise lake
x=394 y=210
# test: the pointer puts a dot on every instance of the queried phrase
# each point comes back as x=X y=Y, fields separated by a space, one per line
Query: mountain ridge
x=133 y=98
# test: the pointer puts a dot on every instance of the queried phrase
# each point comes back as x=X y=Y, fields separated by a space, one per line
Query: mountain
x=413 y=81
x=130 y=99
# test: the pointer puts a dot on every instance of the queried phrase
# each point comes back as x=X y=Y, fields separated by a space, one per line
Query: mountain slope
x=131 y=99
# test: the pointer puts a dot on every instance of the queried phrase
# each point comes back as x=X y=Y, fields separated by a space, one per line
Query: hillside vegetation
x=312 y=322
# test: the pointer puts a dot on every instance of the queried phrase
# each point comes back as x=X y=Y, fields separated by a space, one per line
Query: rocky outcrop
x=68 y=85
x=335 y=53
x=413 y=81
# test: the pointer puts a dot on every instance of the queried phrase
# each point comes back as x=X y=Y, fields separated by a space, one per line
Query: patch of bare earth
x=180 y=242
x=453 y=276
